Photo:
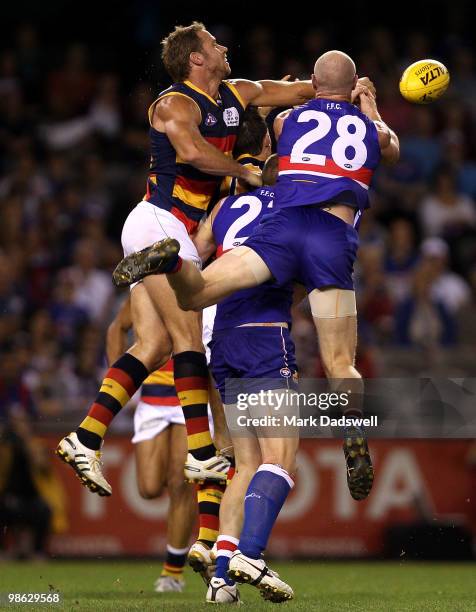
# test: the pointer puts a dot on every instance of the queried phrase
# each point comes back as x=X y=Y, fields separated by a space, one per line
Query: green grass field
x=322 y=586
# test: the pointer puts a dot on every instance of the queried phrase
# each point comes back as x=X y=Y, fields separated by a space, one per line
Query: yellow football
x=424 y=81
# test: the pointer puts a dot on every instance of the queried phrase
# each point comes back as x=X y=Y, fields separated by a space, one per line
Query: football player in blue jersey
x=328 y=149
x=251 y=343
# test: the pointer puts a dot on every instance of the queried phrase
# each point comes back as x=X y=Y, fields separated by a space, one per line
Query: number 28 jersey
x=327 y=151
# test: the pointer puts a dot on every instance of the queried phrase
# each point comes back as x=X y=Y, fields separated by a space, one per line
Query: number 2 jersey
x=232 y=225
x=327 y=151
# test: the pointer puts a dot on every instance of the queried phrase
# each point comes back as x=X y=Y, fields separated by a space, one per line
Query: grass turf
x=323 y=586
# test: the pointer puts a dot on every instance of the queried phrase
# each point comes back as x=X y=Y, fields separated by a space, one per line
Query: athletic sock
x=191 y=383
x=226 y=546
x=122 y=380
x=209 y=496
x=264 y=499
x=174 y=562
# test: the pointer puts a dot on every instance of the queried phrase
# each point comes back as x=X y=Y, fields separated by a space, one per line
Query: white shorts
x=208 y=320
x=151 y=420
x=148 y=223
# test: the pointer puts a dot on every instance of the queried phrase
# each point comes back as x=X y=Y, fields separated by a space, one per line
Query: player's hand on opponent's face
x=252 y=180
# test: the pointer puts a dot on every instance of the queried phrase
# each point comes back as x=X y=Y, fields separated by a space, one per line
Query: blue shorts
x=308 y=245
x=261 y=357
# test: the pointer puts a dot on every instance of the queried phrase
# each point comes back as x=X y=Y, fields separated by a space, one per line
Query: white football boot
x=200 y=560
x=215 y=469
x=168 y=584
x=85 y=462
x=255 y=572
x=219 y=592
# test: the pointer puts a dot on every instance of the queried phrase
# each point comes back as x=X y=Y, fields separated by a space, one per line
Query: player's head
x=253 y=137
x=334 y=74
x=270 y=170
x=192 y=48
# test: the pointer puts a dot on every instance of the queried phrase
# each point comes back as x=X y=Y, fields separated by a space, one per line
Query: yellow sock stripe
x=199 y=440
x=208 y=534
x=94 y=425
x=168 y=570
x=193 y=396
x=112 y=387
x=209 y=495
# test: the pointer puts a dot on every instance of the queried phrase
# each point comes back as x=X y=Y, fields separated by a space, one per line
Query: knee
x=150 y=489
x=152 y=353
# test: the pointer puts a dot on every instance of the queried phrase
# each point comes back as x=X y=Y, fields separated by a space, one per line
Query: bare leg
x=240 y=269
x=152 y=344
x=221 y=435
x=183 y=506
x=248 y=459
x=152 y=459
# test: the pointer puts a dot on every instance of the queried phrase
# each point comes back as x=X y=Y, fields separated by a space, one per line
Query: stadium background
x=75 y=83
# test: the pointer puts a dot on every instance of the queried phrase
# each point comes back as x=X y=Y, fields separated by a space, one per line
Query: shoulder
x=174 y=104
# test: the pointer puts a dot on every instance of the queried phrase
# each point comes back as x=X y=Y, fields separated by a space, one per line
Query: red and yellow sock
x=209 y=496
x=120 y=383
x=174 y=562
x=191 y=383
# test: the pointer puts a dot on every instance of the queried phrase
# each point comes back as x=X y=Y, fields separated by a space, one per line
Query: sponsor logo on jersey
x=231 y=116
x=210 y=120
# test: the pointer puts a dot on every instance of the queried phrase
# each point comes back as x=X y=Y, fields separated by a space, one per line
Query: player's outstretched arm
x=274 y=93
x=388 y=140
x=116 y=337
x=179 y=118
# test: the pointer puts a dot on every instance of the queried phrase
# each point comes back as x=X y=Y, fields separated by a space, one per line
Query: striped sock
x=120 y=383
x=174 y=562
x=209 y=496
x=191 y=383
x=226 y=546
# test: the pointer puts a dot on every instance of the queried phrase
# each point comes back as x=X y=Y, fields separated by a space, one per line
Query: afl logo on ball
x=285 y=372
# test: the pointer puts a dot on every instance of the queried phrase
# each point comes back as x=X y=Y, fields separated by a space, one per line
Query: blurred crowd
x=73 y=162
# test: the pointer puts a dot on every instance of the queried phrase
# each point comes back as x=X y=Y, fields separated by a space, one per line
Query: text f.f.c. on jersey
x=232 y=225
x=327 y=152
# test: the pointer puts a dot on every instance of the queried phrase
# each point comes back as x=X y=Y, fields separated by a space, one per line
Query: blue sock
x=264 y=499
x=222 y=563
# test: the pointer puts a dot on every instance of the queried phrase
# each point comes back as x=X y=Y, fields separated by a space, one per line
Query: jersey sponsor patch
x=231 y=116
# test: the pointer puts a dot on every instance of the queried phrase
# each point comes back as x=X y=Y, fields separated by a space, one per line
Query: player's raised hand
x=366 y=82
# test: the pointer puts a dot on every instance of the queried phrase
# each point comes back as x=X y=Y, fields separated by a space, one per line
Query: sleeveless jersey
x=177 y=186
x=233 y=224
x=327 y=152
x=158 y=388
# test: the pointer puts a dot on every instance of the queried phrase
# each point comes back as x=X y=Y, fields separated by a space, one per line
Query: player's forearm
x=282 y=93
x=209 y=159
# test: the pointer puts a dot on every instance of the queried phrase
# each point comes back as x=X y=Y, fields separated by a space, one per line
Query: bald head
x=334 y=74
